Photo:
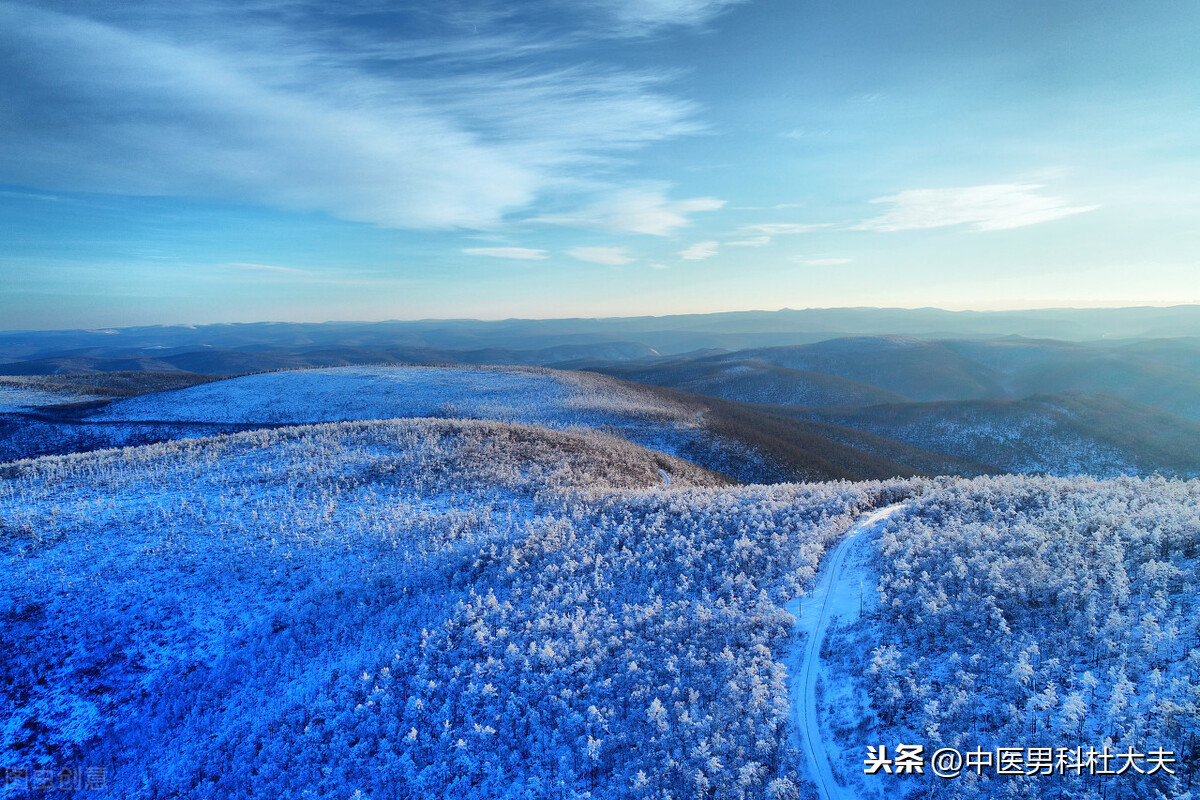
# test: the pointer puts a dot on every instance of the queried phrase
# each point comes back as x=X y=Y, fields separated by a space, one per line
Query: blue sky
x=302 y=160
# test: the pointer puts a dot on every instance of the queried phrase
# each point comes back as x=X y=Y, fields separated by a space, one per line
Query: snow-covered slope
x=506 y=394
x=472 y=609
x=1058 y=434
x=528 y=395
x=754 y=381
x=1050 y=615
x=417 y=608
x=15 y=397
x=735 y=440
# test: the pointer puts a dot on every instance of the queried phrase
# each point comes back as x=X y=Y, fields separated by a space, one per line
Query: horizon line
x=785 y=309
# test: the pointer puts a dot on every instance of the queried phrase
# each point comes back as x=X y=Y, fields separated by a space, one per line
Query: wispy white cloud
x=637 y=211
x=985 y=208
x=273 y=269
x=762 y=234
x=804 y=133
x=775 y=207
x=656 y=265
x=821 y=262
x=519 y=253
x=753 y=241
x=26 y=195
x=265 y=105
x=611 y=256
x=782 y=228
x=640 y=17
x=699 y=251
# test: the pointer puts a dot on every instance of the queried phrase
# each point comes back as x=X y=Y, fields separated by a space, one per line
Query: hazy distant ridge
x=632 y=335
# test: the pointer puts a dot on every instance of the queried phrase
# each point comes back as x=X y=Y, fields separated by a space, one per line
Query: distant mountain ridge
x=1162 y=373
x=1063 y=433
x=820 y=393
x=1014 y=404
x=596 y=338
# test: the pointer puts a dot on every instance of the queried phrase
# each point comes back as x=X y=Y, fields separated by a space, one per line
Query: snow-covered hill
x=473 y=609
x=16 y=397
x=506 y=394
x=416 y=608
x=529 y=395
x=751 y=380
x=1058 y=434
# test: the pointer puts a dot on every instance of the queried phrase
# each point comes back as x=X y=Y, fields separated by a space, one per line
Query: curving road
x=837 y=594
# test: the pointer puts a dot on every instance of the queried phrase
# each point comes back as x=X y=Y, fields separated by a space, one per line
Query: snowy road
x=837 y=594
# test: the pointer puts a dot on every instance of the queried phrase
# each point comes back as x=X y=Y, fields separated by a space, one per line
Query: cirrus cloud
x=782 y=228
x=753 y=241
x=642 y=17
x=699 y=251
x=991 y=207
x=274 y=269
x=263 y=106
x=611 y=256
x=821 y=262
x=645 y=211
x=519 y=253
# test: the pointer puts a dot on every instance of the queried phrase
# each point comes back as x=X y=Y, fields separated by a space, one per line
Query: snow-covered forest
x=1042 y=613
x=547 y=398
x=420 y=608
x=609 y=400
x=415 y=608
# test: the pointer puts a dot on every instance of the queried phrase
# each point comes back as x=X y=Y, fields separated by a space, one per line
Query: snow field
x=15 y=398
x=506 y=394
